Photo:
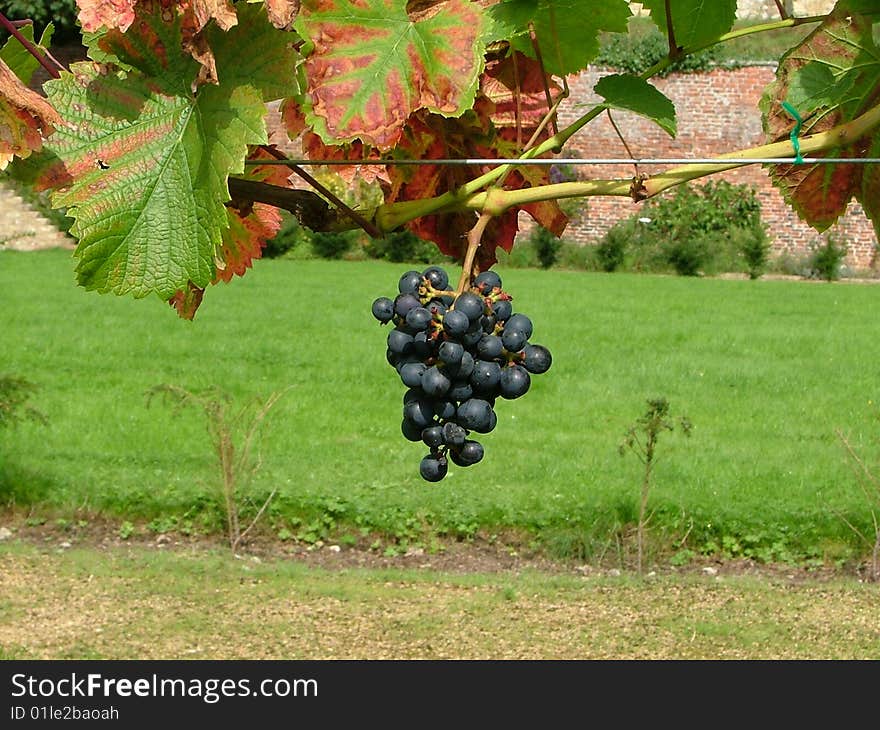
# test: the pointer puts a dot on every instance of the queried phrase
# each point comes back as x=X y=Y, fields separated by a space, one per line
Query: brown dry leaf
x=282 y=12
x=25 y=118
x=95 y=14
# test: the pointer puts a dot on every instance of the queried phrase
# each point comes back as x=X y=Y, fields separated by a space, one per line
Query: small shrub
x=333 y=244
x=827 y=258
x=641 y=438
x=688 y=255
x=755 y=249
x=611 y=250
x=233 y=433
x=290 y=236
x=402 y=246
x=546 y=245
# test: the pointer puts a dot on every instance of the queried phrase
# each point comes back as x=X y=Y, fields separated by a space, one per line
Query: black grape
x=437 y=277
x=433 y=468
x=383 y=309
x=536 y=359
x=409 y=283
x=457 y=354
x=515 y=381
x=486 y=281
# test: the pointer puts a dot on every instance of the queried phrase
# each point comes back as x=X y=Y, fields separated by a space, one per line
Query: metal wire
x=578 y=161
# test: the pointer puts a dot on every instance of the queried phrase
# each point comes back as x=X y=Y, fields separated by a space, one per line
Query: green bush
x=688 y=255
x=402 y=246
x=827 y=258
x=611 y=250
x=546 y=246
x=290 y=236
x=754 y=244
x=701 y=229
x=333 y=244
x=634 y=52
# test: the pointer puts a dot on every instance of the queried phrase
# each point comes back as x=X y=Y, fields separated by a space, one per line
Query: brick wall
x=717 y=112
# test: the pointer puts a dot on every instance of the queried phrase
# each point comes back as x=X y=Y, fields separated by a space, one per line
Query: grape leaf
x=25 y=118
x=567 y=30
x=19 y=59
x=97 y=14
x=476 y=134
x=517 y=87
x=250 y=224
x=195 y=17
x=830 y=78
x=694 y=22
x=631 y=93
x=315 y=149
x=143 y=166
x=187 y=300
x=372 y=64
x=282 y=12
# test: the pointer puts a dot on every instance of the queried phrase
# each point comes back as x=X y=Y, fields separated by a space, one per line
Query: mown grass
x=82 y=604
x=765 y=370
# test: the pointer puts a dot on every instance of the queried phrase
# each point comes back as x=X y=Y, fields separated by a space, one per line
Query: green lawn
x=765 y=370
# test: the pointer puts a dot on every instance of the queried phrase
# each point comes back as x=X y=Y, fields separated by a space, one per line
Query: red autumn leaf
x=510 y=107
x=315 y=149
x=372 y=64
x=293 y=117
x=95 y=14
x=831 y=78
x=517 y=87
x=251 y=225
x=187 y=301
x=25 y=118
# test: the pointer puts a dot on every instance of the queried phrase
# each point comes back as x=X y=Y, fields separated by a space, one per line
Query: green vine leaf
x=634 y=94
x=372 y=64
x=18 y=58
x=143 y=164
x=694 y=22
x=831 y=78
x=567 y=31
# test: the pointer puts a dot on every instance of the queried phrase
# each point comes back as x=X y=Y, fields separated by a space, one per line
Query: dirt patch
x=509 y=553
x=146 y=602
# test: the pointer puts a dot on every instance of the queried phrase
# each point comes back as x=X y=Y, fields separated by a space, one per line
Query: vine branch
x=347 y=210
x=31 y=48
x=497 y=201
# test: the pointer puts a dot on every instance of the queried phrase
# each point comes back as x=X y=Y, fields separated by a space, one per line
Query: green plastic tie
x=795 y=142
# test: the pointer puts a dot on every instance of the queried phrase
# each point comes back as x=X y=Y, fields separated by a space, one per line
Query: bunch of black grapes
x=457 y=356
